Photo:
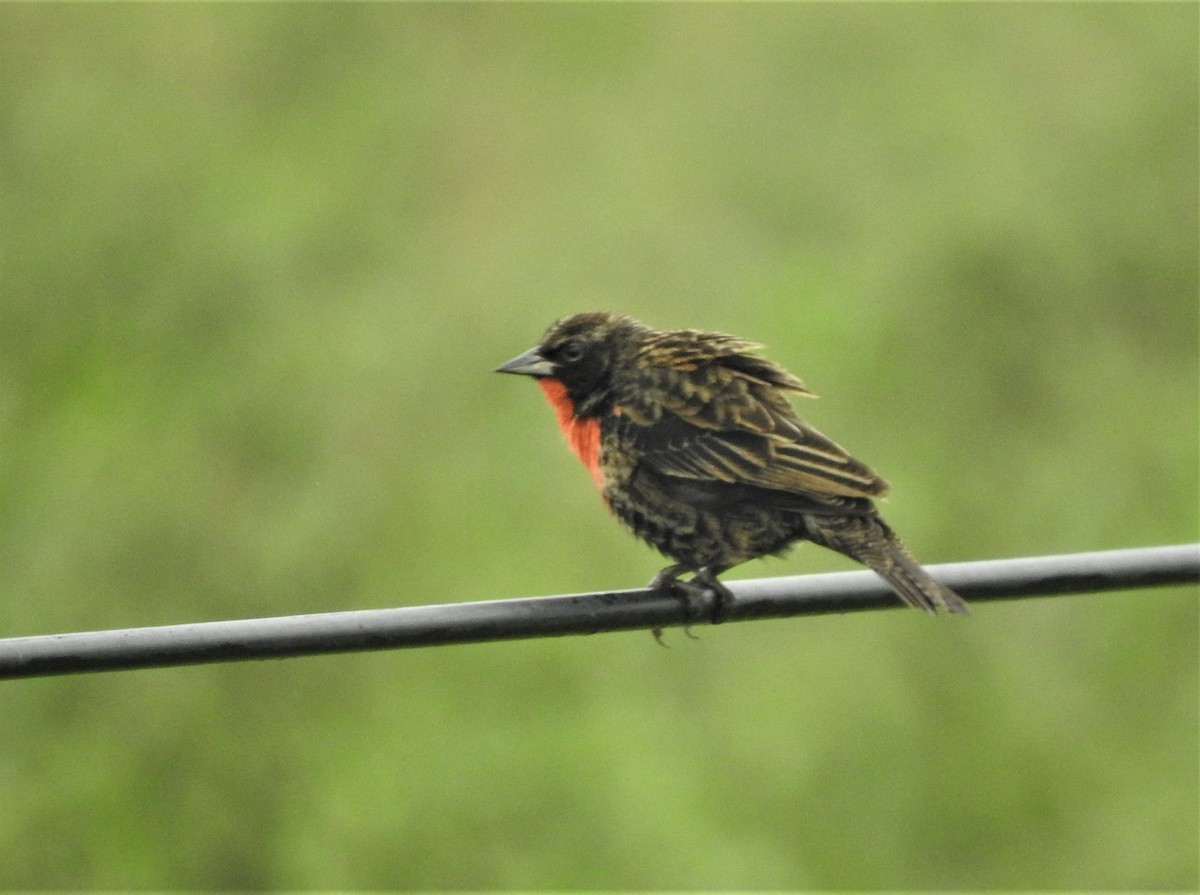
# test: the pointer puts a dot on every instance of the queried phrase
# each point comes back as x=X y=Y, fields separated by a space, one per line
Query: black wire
x=590 y=613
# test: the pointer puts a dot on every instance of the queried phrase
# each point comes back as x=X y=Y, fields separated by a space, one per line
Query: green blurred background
x=258 y=263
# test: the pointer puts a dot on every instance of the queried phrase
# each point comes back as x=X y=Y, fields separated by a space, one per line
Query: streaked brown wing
x=723 y=423
x=810 y=465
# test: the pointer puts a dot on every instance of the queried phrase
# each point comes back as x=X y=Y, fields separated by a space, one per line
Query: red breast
x=583 y=435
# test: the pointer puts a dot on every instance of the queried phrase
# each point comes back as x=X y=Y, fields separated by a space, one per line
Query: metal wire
x=590 y=613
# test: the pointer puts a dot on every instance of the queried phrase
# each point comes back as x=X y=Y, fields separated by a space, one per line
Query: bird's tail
x=871 y=541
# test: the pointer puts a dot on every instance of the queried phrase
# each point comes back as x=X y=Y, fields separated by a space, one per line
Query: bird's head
x=579 y=352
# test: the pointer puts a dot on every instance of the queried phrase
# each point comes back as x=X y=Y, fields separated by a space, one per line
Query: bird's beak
x=531 y=363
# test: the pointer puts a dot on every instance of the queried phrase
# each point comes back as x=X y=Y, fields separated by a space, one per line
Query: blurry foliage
x=257 y=264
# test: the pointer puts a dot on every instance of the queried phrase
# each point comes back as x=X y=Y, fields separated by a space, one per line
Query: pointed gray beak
x=531 y=363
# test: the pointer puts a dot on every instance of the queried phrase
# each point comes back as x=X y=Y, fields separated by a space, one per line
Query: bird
x=692 y=442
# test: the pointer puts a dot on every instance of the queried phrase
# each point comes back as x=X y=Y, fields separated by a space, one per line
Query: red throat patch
x=583 y=435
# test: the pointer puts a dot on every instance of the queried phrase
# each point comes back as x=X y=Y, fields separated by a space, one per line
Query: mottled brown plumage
x=694 y=445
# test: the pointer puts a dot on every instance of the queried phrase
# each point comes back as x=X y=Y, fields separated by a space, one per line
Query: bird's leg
x=668 y=576
x=698 y=594
x=706 y=579
x=667 y=580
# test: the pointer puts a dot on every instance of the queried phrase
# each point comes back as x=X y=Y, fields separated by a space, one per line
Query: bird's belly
x=692 y=524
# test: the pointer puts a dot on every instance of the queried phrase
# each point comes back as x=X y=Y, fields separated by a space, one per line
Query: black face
x=577 y=346
x=579 y=351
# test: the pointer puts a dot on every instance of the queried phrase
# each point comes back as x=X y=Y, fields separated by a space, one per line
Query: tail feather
x=917 y=588
x=871 y=541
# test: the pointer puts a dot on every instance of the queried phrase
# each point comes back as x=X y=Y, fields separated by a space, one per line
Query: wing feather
x=714 y=413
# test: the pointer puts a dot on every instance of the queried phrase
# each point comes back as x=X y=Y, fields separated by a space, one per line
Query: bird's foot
x=667 y=581
x=665 y=578
x=704 y=597
x=722 y=598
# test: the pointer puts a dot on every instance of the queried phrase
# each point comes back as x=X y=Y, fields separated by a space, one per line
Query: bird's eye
x=571 y=352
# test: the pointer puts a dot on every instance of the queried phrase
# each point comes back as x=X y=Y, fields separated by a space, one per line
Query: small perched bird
x=692 y=443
